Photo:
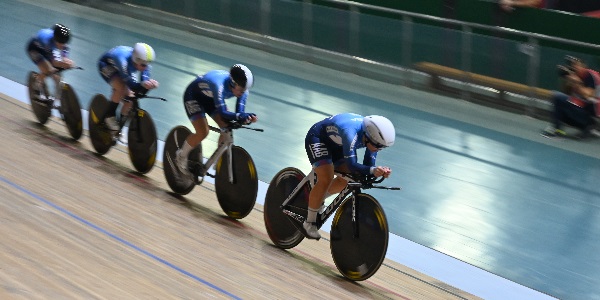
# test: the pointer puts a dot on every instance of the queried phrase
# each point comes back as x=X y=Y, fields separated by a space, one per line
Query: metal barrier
x=384 y=45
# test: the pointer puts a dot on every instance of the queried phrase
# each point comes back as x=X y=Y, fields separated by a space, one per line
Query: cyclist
x=206 y=95
x=119 y=67
x=49 y=51
x=331 y=144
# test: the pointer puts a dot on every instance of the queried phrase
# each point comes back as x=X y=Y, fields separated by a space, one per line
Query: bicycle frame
x=225 y=144
x=349 y=191
x=58 y=88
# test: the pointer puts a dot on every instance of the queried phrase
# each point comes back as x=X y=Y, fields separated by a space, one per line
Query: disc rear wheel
x=282 y=229
x=101 y=137
x=41 y=107
x=174 y=141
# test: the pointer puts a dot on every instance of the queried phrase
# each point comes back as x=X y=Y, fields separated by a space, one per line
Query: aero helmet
x=241 y=76
x=61 y=33
x=143 y=53
x=379 y=131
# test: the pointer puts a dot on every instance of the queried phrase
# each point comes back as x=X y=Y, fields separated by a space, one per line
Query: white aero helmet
x=143 y=53
x=241 y=76
x=379 y=131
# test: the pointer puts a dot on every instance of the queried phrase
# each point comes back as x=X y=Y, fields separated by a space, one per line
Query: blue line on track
x=129 y=244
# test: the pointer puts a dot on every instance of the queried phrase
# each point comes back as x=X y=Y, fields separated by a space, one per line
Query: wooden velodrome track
x=78 y=226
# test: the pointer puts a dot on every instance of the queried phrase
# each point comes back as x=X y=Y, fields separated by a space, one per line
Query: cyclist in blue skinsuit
x=331 y=144
x=49 y=51
x=119 y=68
x=206 y=95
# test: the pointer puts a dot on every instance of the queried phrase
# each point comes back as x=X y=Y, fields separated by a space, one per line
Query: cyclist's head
x=143 y=54
x=241 y=75
x=62 y=33
x=379 y=131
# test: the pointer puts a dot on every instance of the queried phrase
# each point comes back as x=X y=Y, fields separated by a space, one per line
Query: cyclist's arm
x=240 y=105
x=220 y=105
x=369 y=158
x=130 y=81
x=146 y=74
x=349 y=149
x=60 y=58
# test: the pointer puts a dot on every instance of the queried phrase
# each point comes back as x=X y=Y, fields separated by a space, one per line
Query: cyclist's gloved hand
x=245 y=118
x=150 y=84
x=140 y=91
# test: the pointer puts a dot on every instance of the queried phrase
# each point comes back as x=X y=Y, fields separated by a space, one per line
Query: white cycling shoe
x=312 y=232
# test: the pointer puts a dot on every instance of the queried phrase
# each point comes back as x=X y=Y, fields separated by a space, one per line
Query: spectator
x=509 y=5
x=579 y=109
x=590 y=78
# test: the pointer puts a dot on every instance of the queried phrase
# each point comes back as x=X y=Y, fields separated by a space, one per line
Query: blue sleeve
x=121 y=65
x=349 y=140
x=146 y=74
x=240 y=105
x=220 y=105
x=369 y=159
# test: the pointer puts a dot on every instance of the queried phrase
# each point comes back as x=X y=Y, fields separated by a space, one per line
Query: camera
x=563 y=70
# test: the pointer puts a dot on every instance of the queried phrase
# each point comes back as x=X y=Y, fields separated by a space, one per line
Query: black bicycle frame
x=348 y=193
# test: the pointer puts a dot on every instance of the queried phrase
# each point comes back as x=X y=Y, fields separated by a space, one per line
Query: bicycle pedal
x=210 y=175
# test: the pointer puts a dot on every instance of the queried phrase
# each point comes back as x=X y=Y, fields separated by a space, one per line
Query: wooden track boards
x=78 y=226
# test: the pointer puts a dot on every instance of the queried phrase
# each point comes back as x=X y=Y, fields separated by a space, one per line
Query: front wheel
x=102 y=138
x=41 y=107
x=237 y=197
x=282 y=230
x=141 y=141
x=359 y=243
x=71 y=111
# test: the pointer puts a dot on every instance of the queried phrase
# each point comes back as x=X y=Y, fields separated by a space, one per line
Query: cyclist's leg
x=36 y=53
x=196 y=112
x=319 y=156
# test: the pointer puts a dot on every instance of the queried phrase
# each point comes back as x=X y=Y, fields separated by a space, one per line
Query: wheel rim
x=236 y=198
x=141 y=141
x=359 y=256
x=71 y=111
x=41 y=112
x=174 y=140
x=101 y=138
x=281 y=229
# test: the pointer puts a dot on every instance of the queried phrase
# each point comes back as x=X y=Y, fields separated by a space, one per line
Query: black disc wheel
x=41 y=107
x=101 y=137
x=71 y=111
x=359 y=243
x=174 y=140
x=282 y=229
x=237 y=196
x=141 y=141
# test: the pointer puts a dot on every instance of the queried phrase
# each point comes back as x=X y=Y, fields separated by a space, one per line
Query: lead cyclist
x=331 y=145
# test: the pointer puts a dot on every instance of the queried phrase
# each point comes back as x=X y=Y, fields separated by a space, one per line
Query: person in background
x=510 y=5
x=589 y=77
x=579 y=109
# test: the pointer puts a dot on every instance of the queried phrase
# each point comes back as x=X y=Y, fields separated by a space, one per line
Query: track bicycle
x=141 y=135
x=236 y=179
x=64 y=100
x=359 y=231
